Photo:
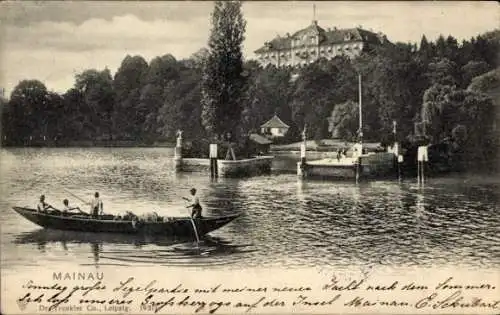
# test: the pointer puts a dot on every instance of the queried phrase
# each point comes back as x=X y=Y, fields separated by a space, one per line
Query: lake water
x=286 y=222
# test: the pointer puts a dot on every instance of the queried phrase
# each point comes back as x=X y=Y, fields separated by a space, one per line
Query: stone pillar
x=213 y=161
x=178 y=152
x=301 y=166
x=422 y=158
x=400 y=160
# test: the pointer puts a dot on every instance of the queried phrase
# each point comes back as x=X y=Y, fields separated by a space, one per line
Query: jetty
x=353 y=163
x=217 y=167
x=370 y=165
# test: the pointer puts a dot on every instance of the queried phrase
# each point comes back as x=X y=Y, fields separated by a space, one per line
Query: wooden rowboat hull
x=169 y=227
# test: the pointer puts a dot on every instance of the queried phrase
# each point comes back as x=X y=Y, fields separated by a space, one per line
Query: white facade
x=312 y=43
x=275 y=132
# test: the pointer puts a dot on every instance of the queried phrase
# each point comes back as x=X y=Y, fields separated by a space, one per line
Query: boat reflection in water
x=122 y=249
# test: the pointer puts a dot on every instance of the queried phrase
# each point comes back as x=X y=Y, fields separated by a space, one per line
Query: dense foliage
x=432 y=91
x=223 y=81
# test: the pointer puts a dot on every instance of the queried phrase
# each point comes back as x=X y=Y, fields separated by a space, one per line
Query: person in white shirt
x=195 y=204
x=96 y=206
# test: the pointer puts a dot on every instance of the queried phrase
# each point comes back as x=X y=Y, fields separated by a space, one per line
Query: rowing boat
x=172 y=226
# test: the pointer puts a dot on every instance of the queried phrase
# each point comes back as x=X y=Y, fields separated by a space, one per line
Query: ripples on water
x=285 y=222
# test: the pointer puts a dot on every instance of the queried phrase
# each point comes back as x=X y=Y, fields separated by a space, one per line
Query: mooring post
x=178 y=152
x=301 y=168
x=422 y=157
x=418 y=172
x=423 y=172
x=400 y=160
x=357 y=152
x=213 y=160
x=357 y=170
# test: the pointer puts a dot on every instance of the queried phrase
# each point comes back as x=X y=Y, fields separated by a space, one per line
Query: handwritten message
x=134 y=295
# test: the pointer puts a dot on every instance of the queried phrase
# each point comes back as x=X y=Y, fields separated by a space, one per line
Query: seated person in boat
x=149 y=217
x=195 y=204
x=67 y=207
x=96 y=206
x=43 y=206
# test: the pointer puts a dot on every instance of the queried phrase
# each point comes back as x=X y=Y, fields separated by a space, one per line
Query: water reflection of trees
x=223 y=196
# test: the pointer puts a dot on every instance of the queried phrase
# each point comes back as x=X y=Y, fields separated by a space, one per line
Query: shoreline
x=88 y=145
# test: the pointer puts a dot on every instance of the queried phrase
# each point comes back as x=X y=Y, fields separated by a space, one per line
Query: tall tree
x=6 y=122
x=77 y=115
x=223 y=81
x=313 y=100
x=268 y=94
x=28 y=103
x=97 y=89
x=128 y=80
x=473 y=69
x=425 y=50
x=181 y=106
x=438 y=112
x=443 y=71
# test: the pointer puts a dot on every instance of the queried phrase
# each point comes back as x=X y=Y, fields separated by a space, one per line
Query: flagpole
x=360 y=132
x=360 y=110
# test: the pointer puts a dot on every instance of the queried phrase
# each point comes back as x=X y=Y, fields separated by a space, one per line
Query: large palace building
x=314 y=42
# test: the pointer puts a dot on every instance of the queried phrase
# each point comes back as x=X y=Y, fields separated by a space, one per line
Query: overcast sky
x=51 y=41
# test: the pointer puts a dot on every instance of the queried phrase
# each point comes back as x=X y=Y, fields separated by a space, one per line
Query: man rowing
x=43 y=206
x=67 y=207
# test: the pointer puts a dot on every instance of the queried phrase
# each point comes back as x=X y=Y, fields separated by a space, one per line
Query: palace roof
x=327 y=37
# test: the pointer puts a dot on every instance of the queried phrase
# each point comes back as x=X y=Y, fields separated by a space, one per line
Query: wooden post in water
x=178 y=152
x=423 y=172
x=360 y=131
x=357 y=169
x=213 y=160
x=301 y=168
x=400 y=160
x=418 y=172
x=422 y=157
x=397 y=157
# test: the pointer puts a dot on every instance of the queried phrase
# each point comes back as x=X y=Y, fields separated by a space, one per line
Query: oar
x=194 y=227
x=81 y=199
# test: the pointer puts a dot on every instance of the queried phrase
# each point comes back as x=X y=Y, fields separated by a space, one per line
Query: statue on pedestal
x=179 y=138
